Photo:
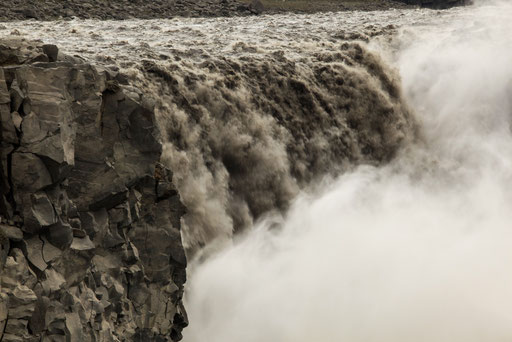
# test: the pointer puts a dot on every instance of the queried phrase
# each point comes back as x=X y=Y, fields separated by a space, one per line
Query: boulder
x=60 y=235
x=52 y=51
x=257 y=7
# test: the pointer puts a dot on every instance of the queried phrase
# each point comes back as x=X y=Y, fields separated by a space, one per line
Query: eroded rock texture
x=125 y=9
x=90 y=220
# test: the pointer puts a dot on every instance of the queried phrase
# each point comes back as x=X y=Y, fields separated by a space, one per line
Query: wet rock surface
x=162 y=9
x=439 y=4
x=123 y=9
x=90 y=244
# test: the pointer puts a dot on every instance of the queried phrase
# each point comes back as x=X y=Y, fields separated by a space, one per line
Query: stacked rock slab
x=90 y=243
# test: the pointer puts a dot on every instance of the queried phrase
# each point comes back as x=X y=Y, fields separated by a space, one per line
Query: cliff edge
x=89 y=218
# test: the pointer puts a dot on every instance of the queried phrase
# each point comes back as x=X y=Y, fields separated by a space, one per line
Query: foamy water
x=418 y=250
x=415 y=250
x=127 y=42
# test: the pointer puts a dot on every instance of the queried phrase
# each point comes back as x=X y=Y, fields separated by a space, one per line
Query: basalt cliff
x=90 y=220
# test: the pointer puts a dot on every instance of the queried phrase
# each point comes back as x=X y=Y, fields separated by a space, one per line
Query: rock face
x=90 y=244
x=440 y=4
x=123 y=9
x=143 y=9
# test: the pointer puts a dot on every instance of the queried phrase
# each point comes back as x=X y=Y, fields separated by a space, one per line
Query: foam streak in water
x=418 y=250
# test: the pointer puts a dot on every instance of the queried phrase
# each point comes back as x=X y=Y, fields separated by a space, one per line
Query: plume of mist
x=417 y=250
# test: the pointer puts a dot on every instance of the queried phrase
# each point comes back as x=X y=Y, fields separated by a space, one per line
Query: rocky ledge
x=125 y=9
x=439 y=4
x=160 y=9
x=90 y=244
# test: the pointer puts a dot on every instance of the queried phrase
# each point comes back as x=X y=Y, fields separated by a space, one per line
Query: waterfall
x=415 y=250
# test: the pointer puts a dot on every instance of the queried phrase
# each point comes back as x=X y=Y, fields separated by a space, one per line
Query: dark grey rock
x=5 y=246
x=29 y=13
x=8 y=132
x=11 y=232
x=53 y=282
x=50 y=252
x=52 y=51
x=74 y=332
x=42 y=209
x=4 y=92
x=16 y=272
x=4 y=310
x=16 y=96
x=37 y=322
x=55 y=318
x=257 y=7
x=21 y=302
x=77 y=232
x=29 y=172
x=60 y=235
x=32 y=129
x=16 y=120
x=94 y=221
x=34 y=252
x=121 y=9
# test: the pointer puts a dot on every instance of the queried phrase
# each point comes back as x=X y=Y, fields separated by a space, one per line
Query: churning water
x=417 y=249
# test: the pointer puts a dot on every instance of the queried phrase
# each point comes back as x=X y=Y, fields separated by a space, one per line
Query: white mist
x=418 y=250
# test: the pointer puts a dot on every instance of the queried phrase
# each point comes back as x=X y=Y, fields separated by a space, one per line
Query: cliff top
x=126 y=9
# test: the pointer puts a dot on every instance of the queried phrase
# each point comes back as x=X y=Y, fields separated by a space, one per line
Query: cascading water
x=417 y=250
x=252 y=109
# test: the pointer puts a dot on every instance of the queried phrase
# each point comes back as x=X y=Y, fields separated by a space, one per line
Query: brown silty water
x=254 y=108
